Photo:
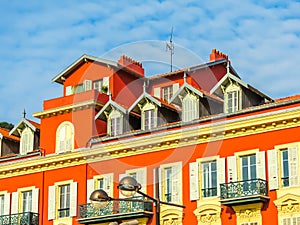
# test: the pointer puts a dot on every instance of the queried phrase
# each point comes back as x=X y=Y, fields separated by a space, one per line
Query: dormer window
x=149 y=116
x=232 y=98
x=190 y=108
x=26 y=144
x=115 y=124
x=167 y=93
x=65 y=137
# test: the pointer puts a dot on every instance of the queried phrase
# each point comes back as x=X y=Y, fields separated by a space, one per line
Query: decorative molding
x=288 y=205
x=248 y=213
x=171 y=216
x=209 y=214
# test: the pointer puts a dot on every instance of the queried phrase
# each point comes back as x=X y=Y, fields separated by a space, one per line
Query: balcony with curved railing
x=246 y=191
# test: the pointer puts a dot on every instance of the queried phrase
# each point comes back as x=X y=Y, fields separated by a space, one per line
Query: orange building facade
x=221 y=148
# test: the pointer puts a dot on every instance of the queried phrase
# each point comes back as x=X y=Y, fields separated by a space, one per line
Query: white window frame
x=19 y=204
x=65 y=137
x=190 y=107
x=236 y=102
x=149 y=123
x=26 y=142
x=54 y=200
x=176 y=182
x=26 y=204
x=115 y=128
x=293 y=166
x=293 y=220
x=5 y=203
x=207 y=181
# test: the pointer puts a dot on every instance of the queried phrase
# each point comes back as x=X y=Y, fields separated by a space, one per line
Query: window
x=232 y=98
x=26 y=141
x=98 y=85
x=190 y=108
x=167 y=93
x=115 y=123
x=248 y=167
x=26 y=201
x=2 y=205
x=65 y=137
x=149 y=119
x=64 y=201
x=79 y=88
x=289 y=167
x=209 y=179
x=149 y=116
x=291 y=221
x=170 y=183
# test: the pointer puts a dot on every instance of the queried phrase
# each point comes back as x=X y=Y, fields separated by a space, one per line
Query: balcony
x=116 y=210
x=26 y=218
x=242 y=192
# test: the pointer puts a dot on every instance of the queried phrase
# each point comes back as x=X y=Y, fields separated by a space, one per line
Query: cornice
x=67 y=109
x=158 y=141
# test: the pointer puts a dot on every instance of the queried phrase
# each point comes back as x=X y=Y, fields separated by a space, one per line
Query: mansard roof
x=5 y=133
x=34 y=126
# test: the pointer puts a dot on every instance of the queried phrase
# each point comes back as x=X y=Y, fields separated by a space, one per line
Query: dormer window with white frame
x=190 y=108
x=149 y=116
x=232 y=98
x=115 y=124
x=65 y=137
x=165 y=93
x=26 y=143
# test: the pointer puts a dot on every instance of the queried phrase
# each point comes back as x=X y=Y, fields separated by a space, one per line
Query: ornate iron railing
x=26 y=218
x=246 y=188
x=114 y=207
x=209 y=192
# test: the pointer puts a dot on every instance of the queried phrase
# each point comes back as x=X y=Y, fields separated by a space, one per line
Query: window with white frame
x=115 y=123
x=101 y=85
x=79 y=88
x=248 y=167
x=26 y=142
x=232 y=99
x=171 y=183
x=209 y=179
x=25 y=200
x=291 y=221
x=190 y=108
x=62 y=200
x=289 y=167
x=103 y=181
x=65 y=137
x=4 y=203
x=149 y=116
x=167 y=93
x=98 y=84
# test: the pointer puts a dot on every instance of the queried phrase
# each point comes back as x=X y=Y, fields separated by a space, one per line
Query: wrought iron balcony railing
x=115 y=209
x=246 y=190
x=26 y=218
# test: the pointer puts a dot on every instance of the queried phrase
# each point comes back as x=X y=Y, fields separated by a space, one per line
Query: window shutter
x=35 y=200
x=194 y=181
x=141 y=177
x=51 y=202
x=90 y=187
x=108 y=184
x=6 y=203
x=73 y=199
x=176 y=184
x=231 y=168
x=272 y=169
x=15 y=203
x=220 y=173
x=106 y=83
x=87 y=85
x=157 y=92
x=260 y=165
x=175 y=88
x=293 y=165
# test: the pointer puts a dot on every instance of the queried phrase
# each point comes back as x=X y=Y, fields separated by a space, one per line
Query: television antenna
x=170 y=47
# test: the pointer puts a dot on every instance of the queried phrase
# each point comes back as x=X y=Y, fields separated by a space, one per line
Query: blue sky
x=39 y=39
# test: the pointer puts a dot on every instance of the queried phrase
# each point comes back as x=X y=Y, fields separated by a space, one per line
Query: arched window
x=115 y=124
x=190 y=108
x=26 y=143
x=65 y=137
x=232 y=98
x=149 y=116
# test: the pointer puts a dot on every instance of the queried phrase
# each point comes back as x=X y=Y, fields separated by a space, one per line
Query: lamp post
x=129 y=187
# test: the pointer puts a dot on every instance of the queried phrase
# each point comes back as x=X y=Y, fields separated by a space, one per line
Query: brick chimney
x=217 y=55
x=131 y=64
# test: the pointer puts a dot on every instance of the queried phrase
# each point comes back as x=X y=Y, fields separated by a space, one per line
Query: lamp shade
x=128 y=186
x=99 y=199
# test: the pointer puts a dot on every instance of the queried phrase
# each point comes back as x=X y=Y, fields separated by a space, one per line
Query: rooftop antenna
x=24 y=114
x=170 y=47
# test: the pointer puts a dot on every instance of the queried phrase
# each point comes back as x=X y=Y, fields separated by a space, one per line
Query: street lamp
x=128 y=186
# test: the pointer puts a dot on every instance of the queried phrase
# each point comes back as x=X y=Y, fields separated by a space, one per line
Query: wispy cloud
x=40 y=38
